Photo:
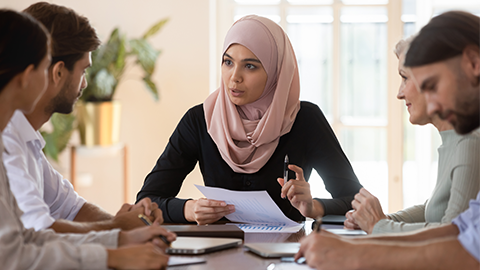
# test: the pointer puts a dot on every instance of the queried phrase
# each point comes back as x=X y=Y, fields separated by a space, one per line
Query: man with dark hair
x=445 y=63
x=24 y=62
x=46 y=198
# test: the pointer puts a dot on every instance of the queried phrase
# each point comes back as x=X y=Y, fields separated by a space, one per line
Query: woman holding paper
x=242 y=132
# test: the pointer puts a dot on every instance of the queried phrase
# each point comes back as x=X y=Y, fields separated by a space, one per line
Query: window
x=347 y=67
x=420 y=159
x=342 y=50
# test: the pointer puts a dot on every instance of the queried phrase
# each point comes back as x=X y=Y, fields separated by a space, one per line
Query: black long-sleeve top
x=311 y=144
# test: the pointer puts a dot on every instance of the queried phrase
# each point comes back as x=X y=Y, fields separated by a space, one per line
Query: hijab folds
x=247 y=135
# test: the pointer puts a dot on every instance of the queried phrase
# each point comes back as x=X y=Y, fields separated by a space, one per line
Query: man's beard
x=467 y=123
x=467 y=110
x=62 y=102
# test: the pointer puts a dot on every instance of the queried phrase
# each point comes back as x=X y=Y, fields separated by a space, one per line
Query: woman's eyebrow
x=251 y=60
x=243 y=60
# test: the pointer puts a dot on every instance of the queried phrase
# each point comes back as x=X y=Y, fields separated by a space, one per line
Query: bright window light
x=365 y=2
x=258 y=2
x=310 y=2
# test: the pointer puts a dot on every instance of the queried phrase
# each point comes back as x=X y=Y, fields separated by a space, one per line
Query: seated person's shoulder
x=469 y=140
x=309 y=110
x=195 y=111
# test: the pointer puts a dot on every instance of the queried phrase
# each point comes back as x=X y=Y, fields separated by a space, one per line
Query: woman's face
x=243 y=75
x=415 y=101
x=37 y=84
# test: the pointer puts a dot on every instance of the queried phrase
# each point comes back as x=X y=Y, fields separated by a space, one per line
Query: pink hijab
x=247 y=135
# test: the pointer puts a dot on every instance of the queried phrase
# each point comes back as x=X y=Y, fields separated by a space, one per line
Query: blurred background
x=347 y=66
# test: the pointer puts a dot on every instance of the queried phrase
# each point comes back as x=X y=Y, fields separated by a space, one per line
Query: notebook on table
x=333 y=219
x=211 y=230
x=274 y=250
x=201 y=245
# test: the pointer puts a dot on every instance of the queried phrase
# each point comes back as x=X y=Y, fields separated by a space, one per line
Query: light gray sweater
x=27 y=249
x=458 y=181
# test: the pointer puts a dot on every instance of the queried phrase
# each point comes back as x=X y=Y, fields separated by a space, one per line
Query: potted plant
x=97 y=112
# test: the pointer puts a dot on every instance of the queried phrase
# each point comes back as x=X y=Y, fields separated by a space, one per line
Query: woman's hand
x=206 y=211
x=298 y=192
x=146 y=234
x=368 y=211
x=349 y=222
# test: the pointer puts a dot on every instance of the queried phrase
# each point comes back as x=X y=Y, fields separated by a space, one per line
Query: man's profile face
x=71 y=90
x=450 y=93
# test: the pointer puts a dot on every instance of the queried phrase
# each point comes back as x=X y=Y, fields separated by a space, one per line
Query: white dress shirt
x=22 y=248
x=41 y=192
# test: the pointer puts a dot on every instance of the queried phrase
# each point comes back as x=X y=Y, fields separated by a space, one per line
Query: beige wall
x=182 y=74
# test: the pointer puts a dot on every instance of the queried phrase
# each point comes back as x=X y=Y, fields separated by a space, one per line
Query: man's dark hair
x=72 y=35
x=23 y=42
x=444 y=37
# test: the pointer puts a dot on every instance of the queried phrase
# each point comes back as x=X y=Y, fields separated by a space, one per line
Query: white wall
x=182 y=74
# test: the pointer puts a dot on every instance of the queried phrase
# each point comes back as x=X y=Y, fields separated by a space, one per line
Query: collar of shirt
x=26 y=131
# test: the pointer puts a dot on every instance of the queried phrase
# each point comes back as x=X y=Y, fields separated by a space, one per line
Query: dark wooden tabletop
x=240 y=258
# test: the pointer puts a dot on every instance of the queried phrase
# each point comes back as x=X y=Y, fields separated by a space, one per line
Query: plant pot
x=99 y=123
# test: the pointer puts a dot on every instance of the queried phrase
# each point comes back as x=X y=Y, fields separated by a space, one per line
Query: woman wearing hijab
x=242 y=132
x=457 y=178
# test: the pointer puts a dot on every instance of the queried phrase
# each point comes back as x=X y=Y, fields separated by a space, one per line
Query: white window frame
x=224 y=10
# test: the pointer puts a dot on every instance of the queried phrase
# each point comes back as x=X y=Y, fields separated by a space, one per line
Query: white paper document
x=181 y=260
x=255 y=209
x=288 y=266
x=338 y=229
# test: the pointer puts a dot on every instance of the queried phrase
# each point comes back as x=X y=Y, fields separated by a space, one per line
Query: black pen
x=149 y=223
x=317 y=226
x=285 y=170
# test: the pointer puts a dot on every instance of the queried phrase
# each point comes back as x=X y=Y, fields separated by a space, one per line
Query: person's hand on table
x=127 y=217
x=206 y=211
x=349 y=222
x=327 y=251
x=144 y=256
x=146 y=234
x=367 y=211
x=151 y=210
x=298 y=193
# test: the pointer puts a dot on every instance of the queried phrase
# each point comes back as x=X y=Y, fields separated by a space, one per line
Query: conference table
x=241 y=258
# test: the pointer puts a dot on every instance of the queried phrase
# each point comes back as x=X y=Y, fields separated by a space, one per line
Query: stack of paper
x=254 y=209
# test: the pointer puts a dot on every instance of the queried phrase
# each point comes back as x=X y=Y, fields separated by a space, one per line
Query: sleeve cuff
x=381 y=225
x=336 y=206
x=42 y=222
x=175 y=210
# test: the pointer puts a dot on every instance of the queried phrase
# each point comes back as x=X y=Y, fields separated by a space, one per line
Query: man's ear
x=58 y=72
x=472 y=55
x=25 y=76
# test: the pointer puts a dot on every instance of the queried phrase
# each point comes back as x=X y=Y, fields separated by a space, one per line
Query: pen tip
x=286 y=158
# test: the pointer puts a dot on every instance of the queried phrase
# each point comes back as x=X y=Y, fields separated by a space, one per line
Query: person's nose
x=84 y=83
x=400 y=94
x=432 y=107
x=236 y=75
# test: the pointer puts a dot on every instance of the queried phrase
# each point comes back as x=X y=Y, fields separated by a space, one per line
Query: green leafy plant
x=109 y=64
x=57 y=140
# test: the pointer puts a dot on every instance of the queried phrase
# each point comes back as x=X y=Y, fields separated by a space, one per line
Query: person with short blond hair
x=444 y=59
